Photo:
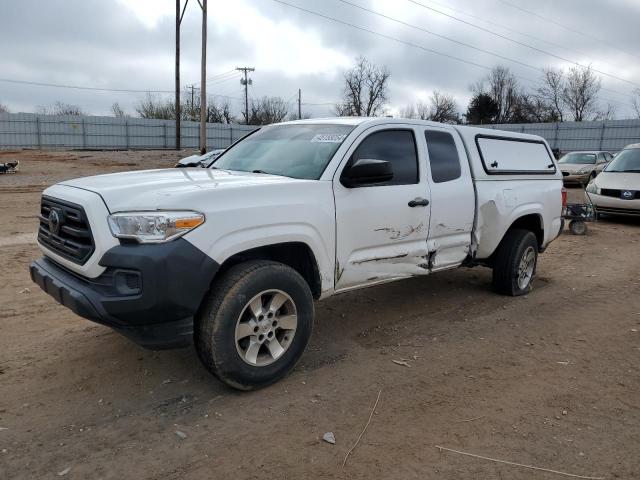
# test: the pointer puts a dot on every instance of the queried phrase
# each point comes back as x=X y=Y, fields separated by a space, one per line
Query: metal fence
x=28 y=130
x=610 y=135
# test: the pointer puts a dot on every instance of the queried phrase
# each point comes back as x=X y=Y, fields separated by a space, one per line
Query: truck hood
x=169 y=188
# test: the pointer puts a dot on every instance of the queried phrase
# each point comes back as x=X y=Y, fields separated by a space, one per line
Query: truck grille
x=65 y=230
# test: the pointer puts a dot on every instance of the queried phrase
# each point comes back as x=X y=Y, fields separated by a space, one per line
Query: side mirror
x=366 y=171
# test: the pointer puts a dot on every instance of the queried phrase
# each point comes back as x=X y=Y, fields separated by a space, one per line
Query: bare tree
x=580 y=93
x=365 y=92
x=4 y=108
x=117 y=110
x=219 y=112
x=409 y=111
x=503 y=88
x=152 y=106
x=267 y=110
x=551 y=91
x=60 y=108
x=443 y=108
x=294 y=116
x=635 y=102
x=607 y=113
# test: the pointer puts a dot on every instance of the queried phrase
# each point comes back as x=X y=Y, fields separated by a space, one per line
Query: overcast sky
x=129 y=44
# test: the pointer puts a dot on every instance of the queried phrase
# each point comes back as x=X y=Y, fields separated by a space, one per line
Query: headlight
x=153 y=227
x=591 y=188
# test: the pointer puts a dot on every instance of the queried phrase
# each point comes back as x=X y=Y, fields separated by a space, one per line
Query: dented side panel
x=379 y=237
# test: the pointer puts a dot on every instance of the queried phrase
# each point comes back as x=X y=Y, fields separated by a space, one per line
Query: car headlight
x=591 y=188
x=153 y=227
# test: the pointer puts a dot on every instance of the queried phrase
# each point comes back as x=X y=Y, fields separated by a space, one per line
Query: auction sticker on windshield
x=328 y=138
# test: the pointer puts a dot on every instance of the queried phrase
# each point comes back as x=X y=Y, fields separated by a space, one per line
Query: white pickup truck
x=231 y=257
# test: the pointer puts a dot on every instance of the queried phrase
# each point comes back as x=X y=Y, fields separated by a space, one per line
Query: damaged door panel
x=381 y=232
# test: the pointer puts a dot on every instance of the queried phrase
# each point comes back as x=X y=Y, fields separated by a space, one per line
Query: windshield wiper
x=261 y=171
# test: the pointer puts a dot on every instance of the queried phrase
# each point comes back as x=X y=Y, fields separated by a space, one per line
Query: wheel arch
x=532 y=222
x=297 y=255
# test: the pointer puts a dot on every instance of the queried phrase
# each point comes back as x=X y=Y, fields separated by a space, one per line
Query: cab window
x=443 y=156
x=395 y=146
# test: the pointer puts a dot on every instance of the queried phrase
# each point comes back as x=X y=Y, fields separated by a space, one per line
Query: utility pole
x=179 y=16
x=299 y=104
x=177 y=108
x=246 y=82
x=203 y=81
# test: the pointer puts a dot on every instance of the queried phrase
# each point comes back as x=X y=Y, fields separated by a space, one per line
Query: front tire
x=255 y=324
x=515 y=263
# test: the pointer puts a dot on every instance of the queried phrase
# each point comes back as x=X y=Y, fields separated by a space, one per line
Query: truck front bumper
x=149 y=293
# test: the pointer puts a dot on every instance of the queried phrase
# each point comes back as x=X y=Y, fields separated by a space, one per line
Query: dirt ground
x=549 y=380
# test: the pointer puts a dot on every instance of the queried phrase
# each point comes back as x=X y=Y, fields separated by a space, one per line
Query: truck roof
x=464 y=130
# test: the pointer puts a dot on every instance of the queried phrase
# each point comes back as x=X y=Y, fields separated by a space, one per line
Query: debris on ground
x=64 y=472
x=9 y=167
x=182 y=435
x=401 y=362
x=329 y=437
x=24 y=290
x=375 y=405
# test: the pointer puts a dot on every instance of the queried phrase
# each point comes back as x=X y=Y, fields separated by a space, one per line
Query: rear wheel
x=515 y=263
x=577 y=227
x=255 y=324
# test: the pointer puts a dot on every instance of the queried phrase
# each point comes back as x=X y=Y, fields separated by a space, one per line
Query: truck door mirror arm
x=366 y=171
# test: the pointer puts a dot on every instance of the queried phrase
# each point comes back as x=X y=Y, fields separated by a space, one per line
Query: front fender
x=238 y=241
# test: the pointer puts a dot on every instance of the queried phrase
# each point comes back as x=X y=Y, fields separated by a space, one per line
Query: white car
x=616 y=191
x=231 y=257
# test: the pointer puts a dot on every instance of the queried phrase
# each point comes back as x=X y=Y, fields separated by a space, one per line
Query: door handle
x=418 y=202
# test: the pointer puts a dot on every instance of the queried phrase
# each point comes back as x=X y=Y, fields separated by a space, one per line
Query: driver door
x=382 y=228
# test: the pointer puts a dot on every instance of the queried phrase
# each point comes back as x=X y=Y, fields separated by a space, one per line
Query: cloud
x=130 y=44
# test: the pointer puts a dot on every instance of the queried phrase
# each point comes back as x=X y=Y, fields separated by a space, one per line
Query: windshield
x=578 y=158
x=294 y=150
x=625 y=161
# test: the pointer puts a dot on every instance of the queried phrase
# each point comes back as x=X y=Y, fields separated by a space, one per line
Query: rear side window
x=395 y=146
x=514 y=156
x=443 y=156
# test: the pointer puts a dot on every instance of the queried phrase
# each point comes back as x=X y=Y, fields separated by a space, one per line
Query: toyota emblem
x=54 y=222
x=627 y=194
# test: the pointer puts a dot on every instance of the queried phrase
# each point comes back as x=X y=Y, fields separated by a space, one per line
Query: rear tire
x=255 y=324
x=515 y=263
x=578 y=227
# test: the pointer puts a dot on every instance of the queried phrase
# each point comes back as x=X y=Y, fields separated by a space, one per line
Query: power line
x=395 y=39
x=79 y=87
x=559 y=57
x=388 y=37
x=533 y=67
x=98 y=89
x=438 y=35
x=509 y=29
x=579 y=32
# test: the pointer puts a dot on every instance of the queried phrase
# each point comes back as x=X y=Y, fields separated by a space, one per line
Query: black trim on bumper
x=627 y=212
x=155 y=308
